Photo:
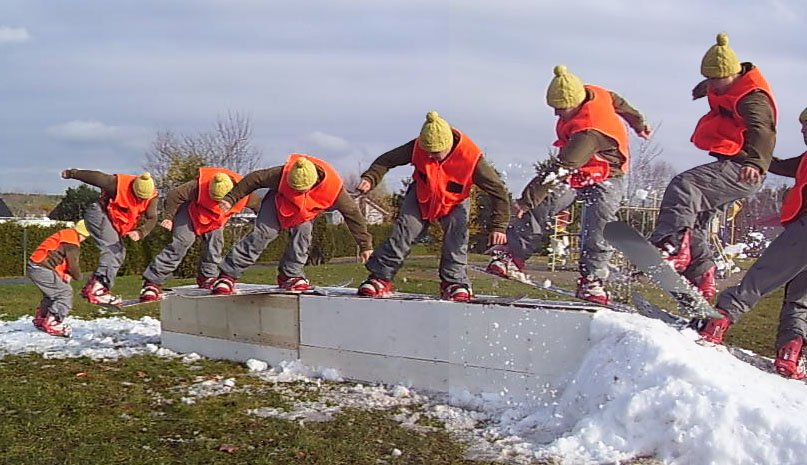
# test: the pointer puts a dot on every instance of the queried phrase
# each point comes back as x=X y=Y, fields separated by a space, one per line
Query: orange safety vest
x=204 y=212
x=440 y=186
x=793 y=204
x=65 y=236
x=596 y=114
x=722 y=130
x=294 y=207
x=125 y=209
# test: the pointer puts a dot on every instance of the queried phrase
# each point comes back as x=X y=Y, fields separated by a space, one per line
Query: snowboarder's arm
x=71 y=256
x=354 y=220
x=489 y=181
x=177 y=196
x=785 y=167
x=149 y=218
x=760 y=134
x=106 y=182
x=630 y=114
x=398 y=156
x=266 y=178
x=254 y=202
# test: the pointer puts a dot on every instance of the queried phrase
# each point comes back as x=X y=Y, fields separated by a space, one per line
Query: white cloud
x=10 y=35
x=328 y=142
x=85 y=131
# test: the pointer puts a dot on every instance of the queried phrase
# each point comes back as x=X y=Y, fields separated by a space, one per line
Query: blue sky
x=89 y=83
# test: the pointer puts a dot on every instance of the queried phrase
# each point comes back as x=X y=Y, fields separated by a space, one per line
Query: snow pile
x=103 y=338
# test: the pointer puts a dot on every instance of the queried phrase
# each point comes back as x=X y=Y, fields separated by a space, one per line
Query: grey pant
x=691 y=200
x=246 y=252
x=110 y=244
x=183 y=236
x=388 y=258
x=600 y=204
x=57 y=298
x=784 y=263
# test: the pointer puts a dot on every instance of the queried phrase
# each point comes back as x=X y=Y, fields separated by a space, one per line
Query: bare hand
x=66 y=174
x=225 y=206
x=167 y=224
x=67 y=278
x=364 y=186
x=134 y=235
x=364 y=255
x=497 y=238
x=646 y=134
x=750 y=174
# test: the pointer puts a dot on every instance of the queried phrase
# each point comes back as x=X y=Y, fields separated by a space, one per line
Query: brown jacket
x=68 y=253
x=581 y=147
x=484 y=176
x=108 y=184
x=270 y=178
x=760 y=136
x=189 y=191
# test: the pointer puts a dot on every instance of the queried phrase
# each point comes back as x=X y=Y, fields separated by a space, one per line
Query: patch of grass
x=80 y=411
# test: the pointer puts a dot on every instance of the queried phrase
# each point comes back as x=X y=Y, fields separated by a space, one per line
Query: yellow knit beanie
x=143 y=186
x=435 y=135
x=565 y=90
x=81 y=228
x=720 y=60
x=303 y=175
x=803 y=116
x=220 y=185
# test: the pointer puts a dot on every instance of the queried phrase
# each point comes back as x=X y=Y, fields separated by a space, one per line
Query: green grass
x=81 y=411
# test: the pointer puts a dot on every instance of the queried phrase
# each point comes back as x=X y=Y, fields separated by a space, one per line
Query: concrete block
x=223 y=349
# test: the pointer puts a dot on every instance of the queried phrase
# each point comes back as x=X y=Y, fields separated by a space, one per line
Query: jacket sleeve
x=260 y=179
x=490 y=182
x=106 y=182
x=177 y=196
x=630 y=114
x=398 y=156
x=760 y=135
x=580 y=148
x=787 y=167
x=354 y=220
x=149 y=218
x=72 y=254
x=254 y=202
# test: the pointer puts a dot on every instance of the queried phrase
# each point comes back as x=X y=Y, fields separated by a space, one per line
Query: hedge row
x=329 y=241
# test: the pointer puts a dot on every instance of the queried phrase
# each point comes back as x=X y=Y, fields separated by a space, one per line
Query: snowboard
x=256 y=289
x=648 y=259
x=132 y=302
x=549 y=287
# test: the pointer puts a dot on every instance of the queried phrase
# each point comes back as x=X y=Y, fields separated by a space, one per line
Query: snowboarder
x=51 y=267
x=739 y=131
x=125 y=200
x=299 y=190
x=590 y=166
x=191 y=210
x=783 y=263
x=447 y=164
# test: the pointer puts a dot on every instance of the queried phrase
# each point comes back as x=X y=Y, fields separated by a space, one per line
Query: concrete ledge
x=224 y=349
x=517 y=353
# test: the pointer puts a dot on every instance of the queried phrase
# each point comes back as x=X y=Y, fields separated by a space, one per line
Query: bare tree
x=174 y=159
x=647 y=171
